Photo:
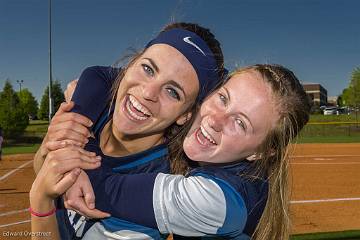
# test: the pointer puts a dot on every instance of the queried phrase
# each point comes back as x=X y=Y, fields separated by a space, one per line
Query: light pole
x=50 y=66
x=20 y=82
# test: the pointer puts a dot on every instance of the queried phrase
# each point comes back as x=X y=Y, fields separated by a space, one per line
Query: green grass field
x=333 y=118
x=23 y=148
x=331 y=129
x=37 y=128
x=30 y=141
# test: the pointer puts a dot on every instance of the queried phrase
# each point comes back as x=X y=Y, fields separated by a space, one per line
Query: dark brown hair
x=175 y=134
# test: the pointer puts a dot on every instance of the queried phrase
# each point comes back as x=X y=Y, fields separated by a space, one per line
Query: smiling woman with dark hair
x=135 y=129
x=238 y=189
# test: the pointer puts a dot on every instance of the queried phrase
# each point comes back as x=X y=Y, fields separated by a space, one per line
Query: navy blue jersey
x=145 y=204
x=93 y=91
x=212 y=202
x=92 y=99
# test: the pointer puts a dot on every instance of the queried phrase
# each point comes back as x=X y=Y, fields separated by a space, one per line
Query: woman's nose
x=151 y=91
x=217 y=121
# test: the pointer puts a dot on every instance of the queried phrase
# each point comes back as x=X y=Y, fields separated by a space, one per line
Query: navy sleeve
x=128 y=197
x=93 y=91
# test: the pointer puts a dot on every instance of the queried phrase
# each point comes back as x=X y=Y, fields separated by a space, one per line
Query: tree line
x=351 y=95
x=17 y=108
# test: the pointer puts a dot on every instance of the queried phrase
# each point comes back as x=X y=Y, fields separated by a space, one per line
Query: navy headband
x=197 y=53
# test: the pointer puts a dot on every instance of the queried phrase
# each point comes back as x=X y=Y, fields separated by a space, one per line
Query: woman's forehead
x=250 y=94
x=172 y=66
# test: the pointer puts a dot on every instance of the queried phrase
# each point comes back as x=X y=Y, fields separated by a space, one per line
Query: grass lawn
x=37 y=128
x=30 y=141
x=328 y=139
x=22 y=148
x=333 y=118
x=348 y=235
x=331 y=129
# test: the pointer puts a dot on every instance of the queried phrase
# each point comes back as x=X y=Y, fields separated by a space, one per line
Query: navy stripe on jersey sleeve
x=198 y=205
x=128 y=197
x=236 y=212
x=93 y=91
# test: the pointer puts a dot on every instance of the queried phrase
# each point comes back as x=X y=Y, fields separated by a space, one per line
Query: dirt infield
x=325 y=187
x=324 y=178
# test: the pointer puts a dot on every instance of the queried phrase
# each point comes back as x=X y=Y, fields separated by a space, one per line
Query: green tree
x=58 y=98
x=13 y=119
x=346 y=97
x=351 y=95
x=355 y=87
x=28 y=102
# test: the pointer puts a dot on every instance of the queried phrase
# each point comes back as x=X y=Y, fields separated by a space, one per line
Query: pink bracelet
x=42 y=214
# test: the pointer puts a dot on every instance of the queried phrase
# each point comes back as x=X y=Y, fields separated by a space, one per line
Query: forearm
x=193 y=206
x=39 y=157
x=43 y=227
x=120 y=194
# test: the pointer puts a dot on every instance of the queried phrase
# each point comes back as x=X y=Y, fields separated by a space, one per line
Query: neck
x=113 y=143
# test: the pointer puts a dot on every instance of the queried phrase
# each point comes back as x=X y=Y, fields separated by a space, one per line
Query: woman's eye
x=241 y=124
x=173 y=93
x=148 y=70
x=222 y=98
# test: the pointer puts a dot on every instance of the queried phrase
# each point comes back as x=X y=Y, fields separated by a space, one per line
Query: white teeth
x=207 y=135
x=134 y=115
x=138 y=106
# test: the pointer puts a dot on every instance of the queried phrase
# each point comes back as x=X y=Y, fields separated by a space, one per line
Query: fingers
x=89 y=194
x=67 y=96
x=65 y=107
x=63 y=116
x=69 y=126
x=71 y=86
x=82 y=188
x=80 y=206
x=55 y=145
x=58 y=133
x=76 y=163
x=63 y=160
x=67 y=181
x=72 y=152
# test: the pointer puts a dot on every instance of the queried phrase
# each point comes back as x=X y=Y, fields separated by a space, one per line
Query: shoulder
x=252 y=189
x=210 y=204
x=107 y=73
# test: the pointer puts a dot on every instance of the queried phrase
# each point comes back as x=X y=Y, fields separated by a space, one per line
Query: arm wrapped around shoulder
x=197 y=206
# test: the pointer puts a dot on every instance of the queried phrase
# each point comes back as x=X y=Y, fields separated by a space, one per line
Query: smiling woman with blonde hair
x=238 y=147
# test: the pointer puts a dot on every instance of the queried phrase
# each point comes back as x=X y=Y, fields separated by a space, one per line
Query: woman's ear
x=183 y=118
x=254 y=157
x=257 y=156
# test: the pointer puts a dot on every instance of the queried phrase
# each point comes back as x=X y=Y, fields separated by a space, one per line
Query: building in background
x=332 y=100
x=316 y=93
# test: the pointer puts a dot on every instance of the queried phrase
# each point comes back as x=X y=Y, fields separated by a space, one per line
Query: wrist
x=41 y=207
x=36 y=213
x=40 y=203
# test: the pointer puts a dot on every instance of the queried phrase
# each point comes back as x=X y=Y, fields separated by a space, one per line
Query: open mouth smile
x=204 y=138
x=136 y=110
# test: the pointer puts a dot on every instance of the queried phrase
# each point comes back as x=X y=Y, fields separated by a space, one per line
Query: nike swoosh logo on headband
x=187 y=40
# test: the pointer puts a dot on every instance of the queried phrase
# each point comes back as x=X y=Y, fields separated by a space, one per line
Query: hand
x=51 y=180
x=68 y=126
x=80 y=197
x=70 y=89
